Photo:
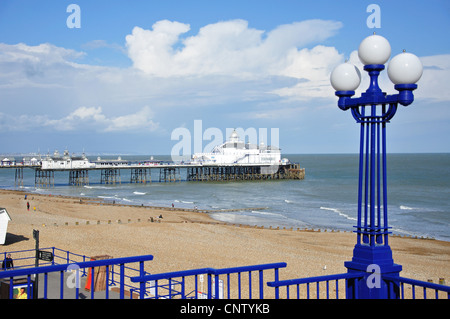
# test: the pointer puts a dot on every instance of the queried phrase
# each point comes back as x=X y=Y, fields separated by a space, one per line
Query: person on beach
x=8 y=263
x=28 y=205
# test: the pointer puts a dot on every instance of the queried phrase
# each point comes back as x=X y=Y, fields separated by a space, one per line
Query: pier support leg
x=44 y=178
x=169 y=174
x=140 y=175
x=18 y=180
x=79 y=177
x=110 y=176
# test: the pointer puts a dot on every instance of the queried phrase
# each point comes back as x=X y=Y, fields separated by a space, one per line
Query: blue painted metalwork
x=440 y=291
x=61 y=268
x=210 y=272
x=417 y=283
x=311 y=280
x=372 y=111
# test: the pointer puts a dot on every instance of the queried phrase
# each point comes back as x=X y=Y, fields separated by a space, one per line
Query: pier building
x=235 y=151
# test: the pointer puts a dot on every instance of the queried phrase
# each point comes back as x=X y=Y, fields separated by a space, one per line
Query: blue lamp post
x=372 y=111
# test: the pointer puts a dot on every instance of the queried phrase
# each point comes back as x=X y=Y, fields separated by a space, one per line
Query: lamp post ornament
x=372 y=110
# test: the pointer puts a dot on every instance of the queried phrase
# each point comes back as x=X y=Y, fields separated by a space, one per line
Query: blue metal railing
x=307 y=284
x=81 y=266
x=215 y=289
x=26 y=258
x=185 y=284
x=440 y=291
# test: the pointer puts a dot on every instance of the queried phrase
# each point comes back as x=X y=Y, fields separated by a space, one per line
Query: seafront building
x=235 y=151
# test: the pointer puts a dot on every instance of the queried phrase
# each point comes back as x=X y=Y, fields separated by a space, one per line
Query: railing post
x=122 y=281
x=216 y=287
x=107 y=282
x=209 y=286
x=142 y=283
x=277 y=289
x=261 y=285
x=92 y=282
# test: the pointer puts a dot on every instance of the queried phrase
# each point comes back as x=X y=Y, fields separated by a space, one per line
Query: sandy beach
x=187 y=240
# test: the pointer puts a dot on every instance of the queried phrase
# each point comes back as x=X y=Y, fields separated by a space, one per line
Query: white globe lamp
x=345 y=77
x=374 y=49
x=405 y=68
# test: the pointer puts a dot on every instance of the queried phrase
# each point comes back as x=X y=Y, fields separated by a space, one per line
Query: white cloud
x=312 y=67
x=91 y=118
x=434 y=82
x=141 y=120
x=227 y=48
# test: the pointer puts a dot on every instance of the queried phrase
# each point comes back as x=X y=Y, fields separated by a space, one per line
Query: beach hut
x=4 y=219
x=6 y=162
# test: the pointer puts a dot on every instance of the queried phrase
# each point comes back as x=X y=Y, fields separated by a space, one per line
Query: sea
x=418 y=194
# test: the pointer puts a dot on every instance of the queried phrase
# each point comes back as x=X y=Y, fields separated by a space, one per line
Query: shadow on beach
x=12 y=239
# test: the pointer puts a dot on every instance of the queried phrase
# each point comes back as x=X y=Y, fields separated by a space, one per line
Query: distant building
x=235 y=151
x=66 y=161
x=8 y=161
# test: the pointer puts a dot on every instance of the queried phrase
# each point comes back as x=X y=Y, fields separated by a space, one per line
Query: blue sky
x=135 y=71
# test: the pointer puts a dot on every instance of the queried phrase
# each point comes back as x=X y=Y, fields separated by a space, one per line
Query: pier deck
x=168 y=172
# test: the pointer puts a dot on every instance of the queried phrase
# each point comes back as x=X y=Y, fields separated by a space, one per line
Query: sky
x=122 y=77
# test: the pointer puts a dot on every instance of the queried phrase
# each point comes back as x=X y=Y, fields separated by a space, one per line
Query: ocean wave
x=96 y=187
x=139 y=193
x=339 y=212
x=107 y=197
x=258 y=212
x=288 y=201
x=403 y=207
x=403 y=231
x=186 y=202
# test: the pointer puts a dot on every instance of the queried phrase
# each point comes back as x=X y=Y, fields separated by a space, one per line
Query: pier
x=112 y=172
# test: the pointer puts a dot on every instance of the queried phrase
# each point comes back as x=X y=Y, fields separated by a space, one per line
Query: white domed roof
x=234 y=137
